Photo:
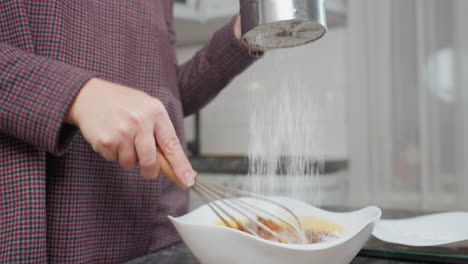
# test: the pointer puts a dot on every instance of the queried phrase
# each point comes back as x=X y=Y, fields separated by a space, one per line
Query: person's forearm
x=35 y=93
x=213 y=67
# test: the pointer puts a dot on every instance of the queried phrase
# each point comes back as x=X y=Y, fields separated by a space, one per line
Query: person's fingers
x=107 y=148
x=145 y=146
x=127 y=155
x=169 y=144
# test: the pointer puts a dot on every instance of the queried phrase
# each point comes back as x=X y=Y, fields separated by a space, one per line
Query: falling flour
x=285 y=151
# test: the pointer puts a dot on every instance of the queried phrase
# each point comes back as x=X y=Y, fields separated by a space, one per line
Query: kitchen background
x=392 y=78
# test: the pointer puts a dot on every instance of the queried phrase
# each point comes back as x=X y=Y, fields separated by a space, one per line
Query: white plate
x=213 y=244
x=444 y=229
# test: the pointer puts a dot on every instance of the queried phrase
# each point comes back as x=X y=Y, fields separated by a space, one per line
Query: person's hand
x=126 y=125
x=238 y=34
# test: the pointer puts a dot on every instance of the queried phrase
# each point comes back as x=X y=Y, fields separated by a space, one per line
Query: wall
x=225 y=120
x=408 y=102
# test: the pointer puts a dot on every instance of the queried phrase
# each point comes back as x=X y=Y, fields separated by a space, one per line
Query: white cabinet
x=204 y=10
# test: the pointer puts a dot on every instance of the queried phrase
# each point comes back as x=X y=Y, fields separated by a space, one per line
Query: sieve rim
x=315 y=22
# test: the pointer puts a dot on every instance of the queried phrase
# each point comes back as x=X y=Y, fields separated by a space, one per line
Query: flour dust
x=285 y=151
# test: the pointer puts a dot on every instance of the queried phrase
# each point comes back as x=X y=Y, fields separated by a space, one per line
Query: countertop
x=180 y=254
x=240 y=165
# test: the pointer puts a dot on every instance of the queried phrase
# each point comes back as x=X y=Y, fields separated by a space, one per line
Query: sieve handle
x=166 y=169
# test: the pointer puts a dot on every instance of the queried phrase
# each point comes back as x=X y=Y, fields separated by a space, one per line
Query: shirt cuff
x=242 y=48
x=227 y=52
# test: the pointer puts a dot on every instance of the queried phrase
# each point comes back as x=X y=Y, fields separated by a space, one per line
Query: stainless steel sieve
x=269 y=24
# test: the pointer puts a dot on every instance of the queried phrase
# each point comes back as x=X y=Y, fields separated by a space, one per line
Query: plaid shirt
x=60 y=201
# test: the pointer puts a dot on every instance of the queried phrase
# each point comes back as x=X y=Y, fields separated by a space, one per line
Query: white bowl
x=212 y=244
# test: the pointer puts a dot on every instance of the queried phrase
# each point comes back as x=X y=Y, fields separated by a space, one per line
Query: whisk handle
x=166 y=169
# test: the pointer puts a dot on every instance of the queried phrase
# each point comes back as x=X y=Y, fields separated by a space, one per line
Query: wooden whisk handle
x=166 y=169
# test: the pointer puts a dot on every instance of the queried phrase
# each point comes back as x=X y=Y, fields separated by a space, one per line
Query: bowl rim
x=299 y=247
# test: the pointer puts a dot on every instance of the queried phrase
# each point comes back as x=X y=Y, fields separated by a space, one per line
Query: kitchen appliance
x=269 y=24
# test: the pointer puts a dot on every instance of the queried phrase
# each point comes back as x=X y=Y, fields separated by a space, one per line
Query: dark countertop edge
x=240 y=165
x=179 y=253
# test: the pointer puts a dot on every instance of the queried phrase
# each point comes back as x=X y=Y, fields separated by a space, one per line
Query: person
x=88 y=91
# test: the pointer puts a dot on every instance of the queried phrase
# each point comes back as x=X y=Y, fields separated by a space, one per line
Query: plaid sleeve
x=212 y=68
x=35 y=93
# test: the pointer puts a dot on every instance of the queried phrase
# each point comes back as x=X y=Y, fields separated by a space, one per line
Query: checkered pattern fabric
x=60 y=202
